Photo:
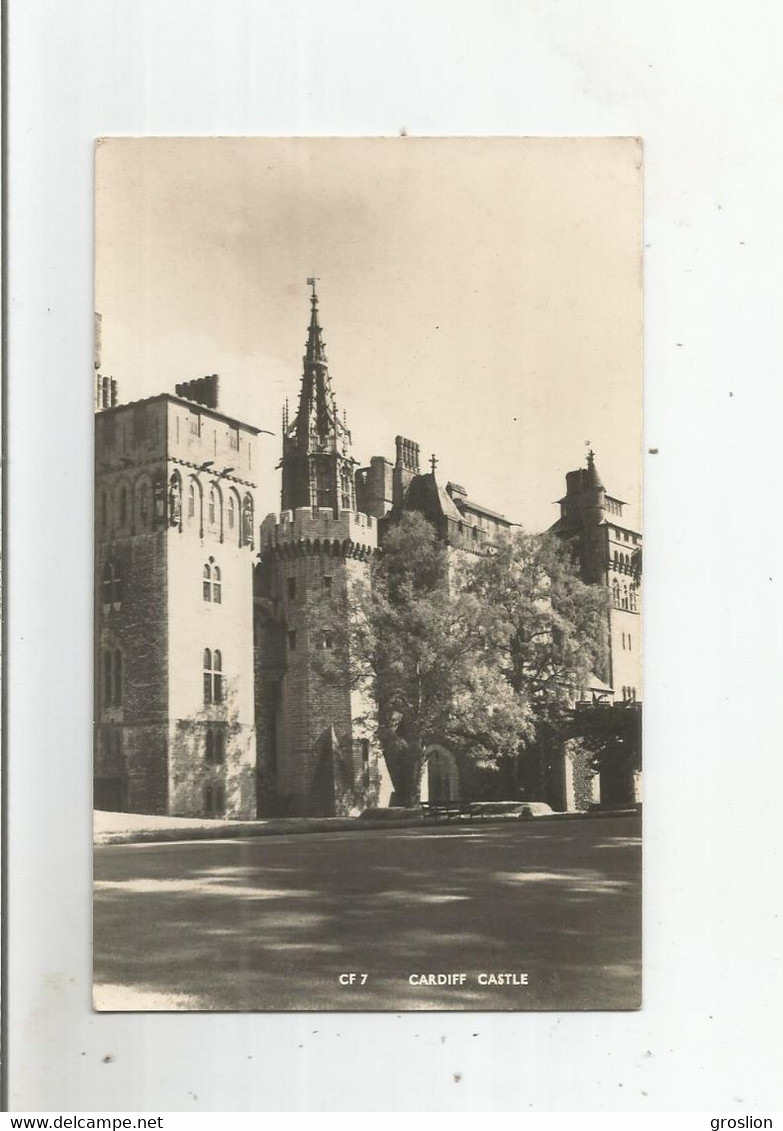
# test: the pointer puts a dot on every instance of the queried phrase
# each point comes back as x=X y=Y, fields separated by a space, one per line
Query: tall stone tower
x=609 y=553
x=315 y=756
x=174 y=549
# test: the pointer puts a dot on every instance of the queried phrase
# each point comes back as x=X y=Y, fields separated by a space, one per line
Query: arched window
x=192 y=500
x=212 y=506
x=616 y=592
x=625 y=596
x=213 y=676
x=211 y=582
x=232 y=512
x=632 y=598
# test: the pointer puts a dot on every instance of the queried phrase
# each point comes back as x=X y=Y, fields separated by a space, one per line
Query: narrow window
x=117 y=678
x=217 y=676
x=206 y=584
x=623 y=641
x=629 y=642
x=106 y=584
x=123 y=504
x=216 y=585
x=212 y=505
x=116 y=584
x=231 y=512
x=192 y=500
x=291 y=588
x=207 y=676
x=107 y=673
x=327 y=640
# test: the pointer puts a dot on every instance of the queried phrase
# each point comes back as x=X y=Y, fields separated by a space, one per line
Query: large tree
x=427 y=654
x=554 y=630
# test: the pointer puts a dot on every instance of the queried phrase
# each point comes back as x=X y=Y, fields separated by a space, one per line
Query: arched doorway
x=441 y=777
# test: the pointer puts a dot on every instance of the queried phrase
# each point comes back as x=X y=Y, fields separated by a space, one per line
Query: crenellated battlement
x=315 y=529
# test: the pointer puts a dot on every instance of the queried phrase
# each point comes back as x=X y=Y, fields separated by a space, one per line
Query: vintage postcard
x=368 y=574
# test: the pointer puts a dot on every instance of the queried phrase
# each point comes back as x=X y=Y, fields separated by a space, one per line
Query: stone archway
x=441 y=777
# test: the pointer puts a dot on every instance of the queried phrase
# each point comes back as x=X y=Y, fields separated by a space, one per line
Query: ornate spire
x=316 y=442
x=315 y=352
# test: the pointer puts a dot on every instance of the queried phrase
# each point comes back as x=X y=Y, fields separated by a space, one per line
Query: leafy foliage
x=554 y=623
x=485 y=655
x=425 y=653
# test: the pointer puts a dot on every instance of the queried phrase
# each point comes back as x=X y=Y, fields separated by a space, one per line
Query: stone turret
x=314 y=750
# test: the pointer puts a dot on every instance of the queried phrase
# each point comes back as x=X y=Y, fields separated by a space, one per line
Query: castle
x=210 y=699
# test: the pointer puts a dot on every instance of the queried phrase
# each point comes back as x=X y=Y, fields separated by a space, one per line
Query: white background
x=700 y=80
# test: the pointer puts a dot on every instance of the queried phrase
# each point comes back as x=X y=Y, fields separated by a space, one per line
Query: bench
x=447 y=810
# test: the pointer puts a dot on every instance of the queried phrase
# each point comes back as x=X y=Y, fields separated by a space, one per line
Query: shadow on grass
x=270 y=924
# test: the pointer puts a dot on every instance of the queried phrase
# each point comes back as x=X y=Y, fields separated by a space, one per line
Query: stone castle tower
x=174 y=546
x=314 y=755
x=609 y=553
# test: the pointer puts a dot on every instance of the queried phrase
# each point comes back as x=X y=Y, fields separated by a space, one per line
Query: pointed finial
x=590 y=457
x=311 y=283
x=433 y=462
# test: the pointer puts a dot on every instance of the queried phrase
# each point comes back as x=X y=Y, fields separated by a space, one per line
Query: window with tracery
x=213 y=676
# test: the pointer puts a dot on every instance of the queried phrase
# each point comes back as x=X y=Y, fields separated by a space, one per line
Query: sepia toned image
x=368 y=567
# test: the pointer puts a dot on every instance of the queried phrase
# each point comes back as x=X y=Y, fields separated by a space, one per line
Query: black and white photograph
x=368 y=574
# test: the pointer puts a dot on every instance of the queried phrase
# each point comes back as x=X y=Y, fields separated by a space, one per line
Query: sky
x=482 y=297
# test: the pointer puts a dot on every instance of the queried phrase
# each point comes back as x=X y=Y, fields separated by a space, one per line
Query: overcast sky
x=482 y=297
